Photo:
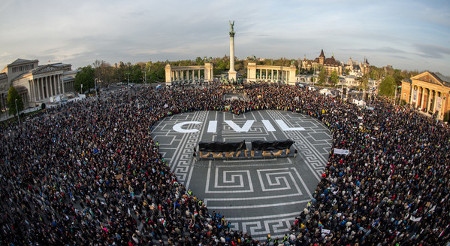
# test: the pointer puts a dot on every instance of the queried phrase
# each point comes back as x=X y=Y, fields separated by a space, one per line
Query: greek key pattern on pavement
x=178 y=150
x=315 y=151
x=259 y=196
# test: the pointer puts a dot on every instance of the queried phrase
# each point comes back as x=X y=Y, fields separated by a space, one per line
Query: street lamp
x=17 y=111
x=81 y=92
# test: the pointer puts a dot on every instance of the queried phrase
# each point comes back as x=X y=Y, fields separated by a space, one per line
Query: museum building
x=35 y=83
x=428 y=92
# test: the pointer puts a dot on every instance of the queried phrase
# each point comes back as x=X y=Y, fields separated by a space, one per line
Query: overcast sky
x=407 y=34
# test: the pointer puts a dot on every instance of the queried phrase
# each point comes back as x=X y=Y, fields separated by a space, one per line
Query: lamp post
x=17 y=111
x=81 y=92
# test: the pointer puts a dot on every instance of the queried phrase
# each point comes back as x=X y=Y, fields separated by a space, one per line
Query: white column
x=62 y=84
x=232 y=53
x=55 y=85
x=49 y=87
x=55 y=78
x=434 y=101
x=232 y=72
x=47 y=82
x=30 y=84
x=35 y=89
x=50 y=80
x=38 y=87
x=52 y=92
x=422 y=99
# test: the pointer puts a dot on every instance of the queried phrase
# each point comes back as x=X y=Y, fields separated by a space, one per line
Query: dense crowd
x=89 y=172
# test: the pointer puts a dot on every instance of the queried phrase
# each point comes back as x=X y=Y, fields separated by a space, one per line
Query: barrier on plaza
x=221 y=146
x=271 y=145
x=238 y=150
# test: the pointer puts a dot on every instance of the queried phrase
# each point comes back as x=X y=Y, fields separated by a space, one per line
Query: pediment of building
x=428 y=77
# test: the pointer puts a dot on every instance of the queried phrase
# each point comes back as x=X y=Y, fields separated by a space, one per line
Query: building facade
x=38 y=84
x=428 y=92
x=175 y=74
x=273 y=74
x=330 y=64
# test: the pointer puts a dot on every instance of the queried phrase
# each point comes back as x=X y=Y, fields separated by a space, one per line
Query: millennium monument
x=232 y=72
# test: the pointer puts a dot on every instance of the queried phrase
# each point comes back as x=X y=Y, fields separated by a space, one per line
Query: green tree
x=12 y=100
x=387 y=87
x=322 y=76
x=103 y=73
x=334 y=78
x=85 y=77
x=364 y=85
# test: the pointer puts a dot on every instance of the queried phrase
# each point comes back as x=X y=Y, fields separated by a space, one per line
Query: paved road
x=259 y=196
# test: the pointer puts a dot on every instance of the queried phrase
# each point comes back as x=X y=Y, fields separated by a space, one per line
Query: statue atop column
x=231 y=28
x=232 y=72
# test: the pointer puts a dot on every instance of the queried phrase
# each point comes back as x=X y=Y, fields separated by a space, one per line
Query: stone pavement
x=258 y=196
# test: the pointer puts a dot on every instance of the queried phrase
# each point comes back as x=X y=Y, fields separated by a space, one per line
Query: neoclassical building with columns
x=273 y=74
x=39 y=84
x=189 y=73
x=428 y=92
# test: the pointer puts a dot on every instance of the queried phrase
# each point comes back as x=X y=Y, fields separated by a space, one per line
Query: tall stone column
x=62 y=84
x=38 y=87
x=50 y=79
x=232 y=72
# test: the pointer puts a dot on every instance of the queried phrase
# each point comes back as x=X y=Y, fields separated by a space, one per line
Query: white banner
x=415 y=219
x=341 y=151
x=438 y=104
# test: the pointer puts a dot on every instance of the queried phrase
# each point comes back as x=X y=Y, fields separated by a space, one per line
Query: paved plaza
x=258 y=196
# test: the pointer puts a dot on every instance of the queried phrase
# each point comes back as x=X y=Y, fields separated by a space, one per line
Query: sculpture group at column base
x=232 y=75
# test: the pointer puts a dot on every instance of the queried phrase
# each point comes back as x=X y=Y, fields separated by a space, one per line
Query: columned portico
x=429 y=93
x=40 y=83
x=273 y=74
x=188 y=74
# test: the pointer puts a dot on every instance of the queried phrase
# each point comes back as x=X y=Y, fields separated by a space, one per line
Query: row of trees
x=101 y=73
x=150 y=72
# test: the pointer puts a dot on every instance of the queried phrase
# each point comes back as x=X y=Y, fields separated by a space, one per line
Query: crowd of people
x=89 y=173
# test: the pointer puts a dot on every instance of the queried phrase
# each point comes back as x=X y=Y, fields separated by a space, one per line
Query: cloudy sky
x=407 y=34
